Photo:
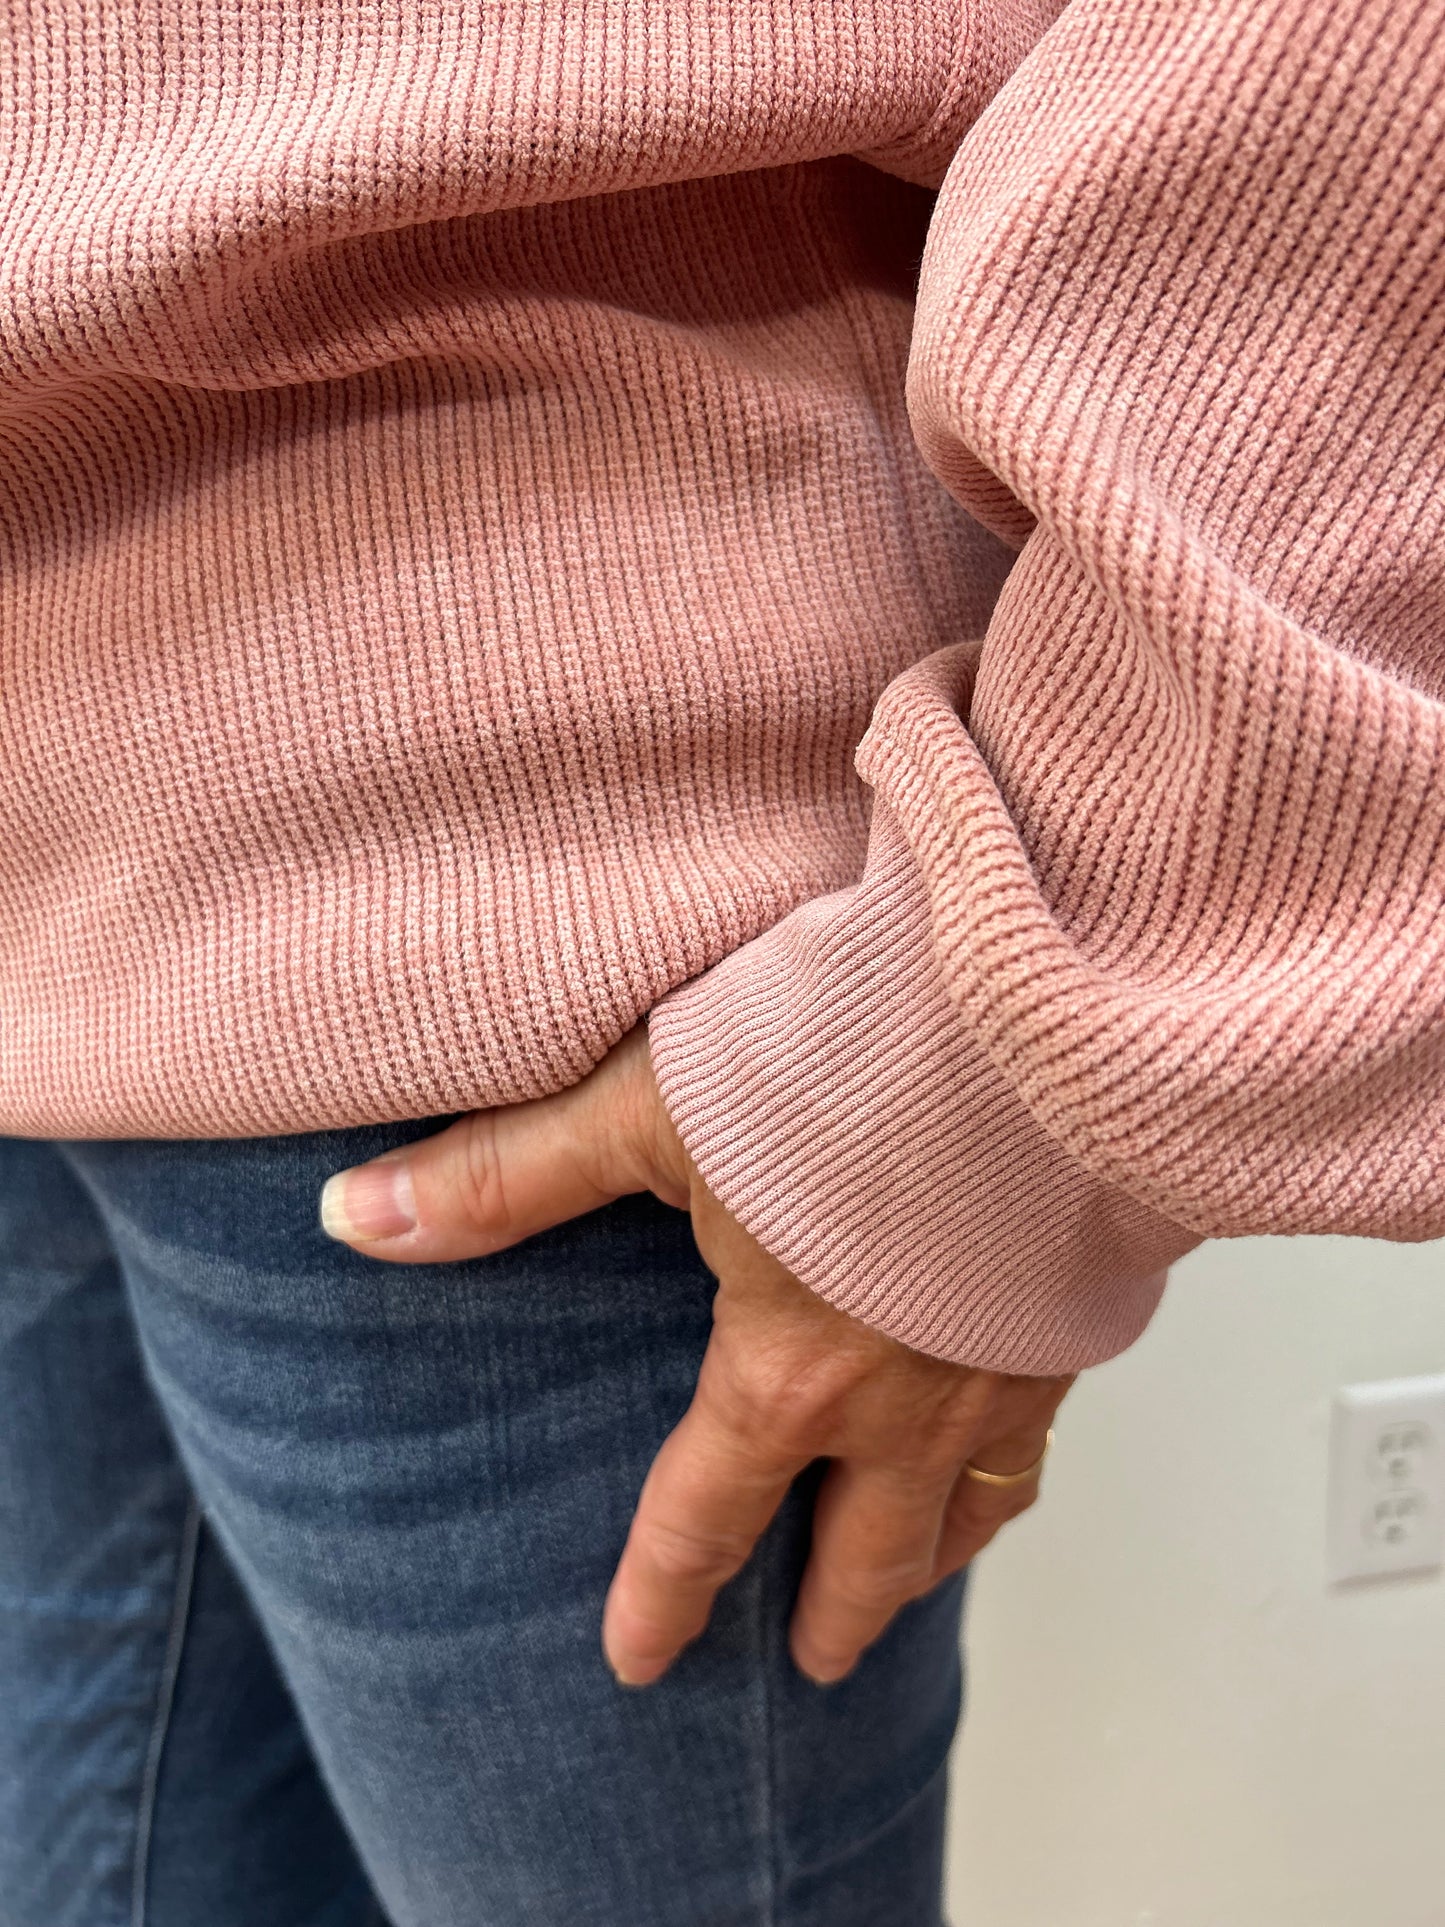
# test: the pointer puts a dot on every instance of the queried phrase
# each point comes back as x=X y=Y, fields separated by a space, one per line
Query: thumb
x=496 y=1176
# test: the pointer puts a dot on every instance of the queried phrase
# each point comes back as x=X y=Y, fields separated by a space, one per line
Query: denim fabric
x=302 y=1561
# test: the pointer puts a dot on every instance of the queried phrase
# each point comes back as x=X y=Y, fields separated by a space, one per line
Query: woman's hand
x=785 y=1379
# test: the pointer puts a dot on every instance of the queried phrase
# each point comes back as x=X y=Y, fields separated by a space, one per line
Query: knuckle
x=686 y=1558
x=939 y=1455
x=610 y=1134
x=781 y=1395
x=873 y=1589
x=955 y=1432
x=481 y=1190
x=1033 y=1401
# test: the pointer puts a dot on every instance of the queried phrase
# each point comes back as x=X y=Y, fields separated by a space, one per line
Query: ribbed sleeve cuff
x=828 y=1091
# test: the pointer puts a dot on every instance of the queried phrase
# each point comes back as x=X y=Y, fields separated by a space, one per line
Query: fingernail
x=635 y=1671
x=824 y=1675
x=368 y=1201
x=632 y=1671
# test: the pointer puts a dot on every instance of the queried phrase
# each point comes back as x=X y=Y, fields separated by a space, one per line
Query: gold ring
x=1010 y=1478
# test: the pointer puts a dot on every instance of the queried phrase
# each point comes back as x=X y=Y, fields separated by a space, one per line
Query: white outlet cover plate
x=1387 y=1478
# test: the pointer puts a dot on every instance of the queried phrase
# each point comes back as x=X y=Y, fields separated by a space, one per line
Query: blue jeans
x=302 y=1561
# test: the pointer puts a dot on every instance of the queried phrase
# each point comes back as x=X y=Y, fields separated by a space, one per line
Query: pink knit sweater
x=490 y=547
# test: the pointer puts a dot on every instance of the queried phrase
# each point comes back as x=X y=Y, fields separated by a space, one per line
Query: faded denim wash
x=302 y=1561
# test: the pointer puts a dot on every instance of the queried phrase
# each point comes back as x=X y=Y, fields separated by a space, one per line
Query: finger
x=875 y=1539
x=500 y=1175
x=976 y=1512
x=710 y=1494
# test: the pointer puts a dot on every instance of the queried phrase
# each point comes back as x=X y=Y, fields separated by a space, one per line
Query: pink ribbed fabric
x=903 y=539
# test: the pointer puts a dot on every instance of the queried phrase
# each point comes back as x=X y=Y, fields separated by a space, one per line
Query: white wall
x=1174 y=1721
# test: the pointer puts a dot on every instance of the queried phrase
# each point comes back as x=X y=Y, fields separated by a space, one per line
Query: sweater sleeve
x=1150 y=940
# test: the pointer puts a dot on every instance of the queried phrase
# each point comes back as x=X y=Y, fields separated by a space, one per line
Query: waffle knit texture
x=900 y=537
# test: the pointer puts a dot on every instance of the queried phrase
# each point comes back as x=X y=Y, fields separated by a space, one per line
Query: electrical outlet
x=1387 y=1478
